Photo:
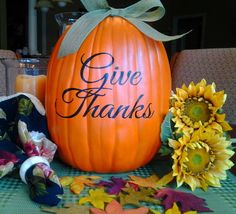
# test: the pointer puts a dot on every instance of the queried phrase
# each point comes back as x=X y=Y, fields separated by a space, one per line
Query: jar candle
x=27 y=75
x=31 y=84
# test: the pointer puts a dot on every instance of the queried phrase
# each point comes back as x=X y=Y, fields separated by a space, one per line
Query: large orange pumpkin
x=105 y=103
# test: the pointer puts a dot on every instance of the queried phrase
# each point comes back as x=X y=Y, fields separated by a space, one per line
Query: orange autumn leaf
x=115 y=208
x=86 y=180
x=66 y=180
x=163 y=181
x=77 y=188
x=79 y=182
x=150 y=181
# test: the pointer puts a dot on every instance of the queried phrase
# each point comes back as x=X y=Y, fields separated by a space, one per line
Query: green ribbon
x=98 y=10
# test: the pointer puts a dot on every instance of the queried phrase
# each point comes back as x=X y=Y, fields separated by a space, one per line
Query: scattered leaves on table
x=67 y=209
x=114 y=186
x=152 y=211
x=97 y=197
x=150 y=181
x=115 y=208
x=66 y=180
x=187 y=201
x=175 y=210
x=78 y=183
x=132 y=185
x=131 y=197
x=163 y=181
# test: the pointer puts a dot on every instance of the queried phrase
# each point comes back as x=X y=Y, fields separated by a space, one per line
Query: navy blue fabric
x=11 y=111
x=37 y=189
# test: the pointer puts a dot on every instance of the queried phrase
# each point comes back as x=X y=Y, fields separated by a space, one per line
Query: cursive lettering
x=88 y=99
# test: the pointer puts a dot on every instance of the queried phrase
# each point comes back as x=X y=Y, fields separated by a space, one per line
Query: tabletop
x=14 y=196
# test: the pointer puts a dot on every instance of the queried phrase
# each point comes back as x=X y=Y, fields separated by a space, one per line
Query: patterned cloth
x=24 y=137
x=214 y=65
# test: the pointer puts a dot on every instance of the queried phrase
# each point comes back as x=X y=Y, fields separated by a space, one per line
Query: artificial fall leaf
x=175 y=210
x=115 y=208
x=67 y=209
x=97 y=197
x=188 y=201
x=66 y=180
x=132 y=185
x=163 y=181
x=150 y=181
x=78 y=183
x=152 y=211
x=115 y=186
x=132 y=197
x=77 y=188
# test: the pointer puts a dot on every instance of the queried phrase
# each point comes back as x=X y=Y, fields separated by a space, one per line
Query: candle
x=32 y=84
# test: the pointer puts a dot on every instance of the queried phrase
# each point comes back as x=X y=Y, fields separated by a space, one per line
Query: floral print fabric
x=23 y=134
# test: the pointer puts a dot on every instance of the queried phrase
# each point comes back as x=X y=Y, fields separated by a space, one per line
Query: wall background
x=213 y=23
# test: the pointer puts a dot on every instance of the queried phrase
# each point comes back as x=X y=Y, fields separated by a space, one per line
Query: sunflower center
x=198 y=160
x=197 y=110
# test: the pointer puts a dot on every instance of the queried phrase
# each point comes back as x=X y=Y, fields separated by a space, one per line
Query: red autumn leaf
x=187 y=201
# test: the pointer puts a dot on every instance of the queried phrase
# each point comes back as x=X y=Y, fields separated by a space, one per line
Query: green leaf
x=167 y=128
x=226 y=135
x=165 y=150
x=25 y=107
x=2 y=114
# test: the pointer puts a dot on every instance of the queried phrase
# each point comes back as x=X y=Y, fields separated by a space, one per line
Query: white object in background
x=44 y=31
x=62 y=3
x=32 y=31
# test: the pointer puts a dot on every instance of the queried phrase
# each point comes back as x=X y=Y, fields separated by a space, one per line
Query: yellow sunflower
x=201 y=159
x=198 y=106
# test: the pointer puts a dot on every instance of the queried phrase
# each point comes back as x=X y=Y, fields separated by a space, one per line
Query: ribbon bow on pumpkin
x=98 y=10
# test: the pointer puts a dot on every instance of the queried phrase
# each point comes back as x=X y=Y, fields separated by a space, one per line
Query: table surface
x=14 y=196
